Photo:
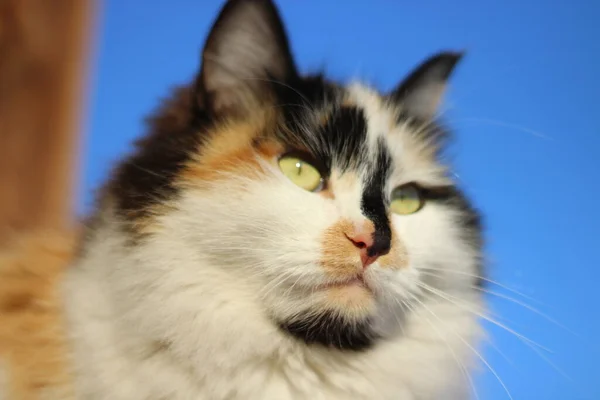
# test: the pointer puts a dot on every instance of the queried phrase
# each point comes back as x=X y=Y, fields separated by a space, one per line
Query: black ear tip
x=445 y=62
x=233 y=3
x=455 y=57
x=230 y=6
x=450 y=56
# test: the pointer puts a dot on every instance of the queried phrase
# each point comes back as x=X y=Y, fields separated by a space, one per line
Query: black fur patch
x=147 y=177
x=472 y=227
x=343 y=138
x=331 y=330
x=374 y=201
x=340 y=141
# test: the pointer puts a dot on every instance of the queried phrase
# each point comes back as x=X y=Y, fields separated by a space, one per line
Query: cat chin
x=344 y=317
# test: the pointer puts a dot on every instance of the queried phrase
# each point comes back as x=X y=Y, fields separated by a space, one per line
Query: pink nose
x=364 y=243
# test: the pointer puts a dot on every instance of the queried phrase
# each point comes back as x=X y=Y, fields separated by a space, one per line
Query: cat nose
x=370 y=249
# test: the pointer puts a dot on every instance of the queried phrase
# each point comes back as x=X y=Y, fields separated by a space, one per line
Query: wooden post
x=43 y=63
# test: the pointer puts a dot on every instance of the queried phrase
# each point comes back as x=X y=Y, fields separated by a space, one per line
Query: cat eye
x=406 y=199
x=301 y=173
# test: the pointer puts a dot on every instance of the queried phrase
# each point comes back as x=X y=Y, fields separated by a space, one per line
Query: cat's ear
x=421 y=92
x=246 y=51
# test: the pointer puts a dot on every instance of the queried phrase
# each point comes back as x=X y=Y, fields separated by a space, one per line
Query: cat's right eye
x=301 y=173
x=406 y=199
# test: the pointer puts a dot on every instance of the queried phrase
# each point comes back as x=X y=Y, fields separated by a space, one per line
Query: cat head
x=327 y=201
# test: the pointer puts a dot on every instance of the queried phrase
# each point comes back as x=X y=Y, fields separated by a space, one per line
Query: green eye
x=406 y=200
x=301 y=173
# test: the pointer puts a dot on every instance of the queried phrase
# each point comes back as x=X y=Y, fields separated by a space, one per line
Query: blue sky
x=522 y=103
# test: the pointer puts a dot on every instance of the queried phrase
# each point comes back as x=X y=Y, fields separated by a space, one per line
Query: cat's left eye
x=301 y=173
x=406 y=199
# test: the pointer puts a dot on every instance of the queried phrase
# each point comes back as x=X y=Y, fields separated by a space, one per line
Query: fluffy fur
x=33 y=350
x=207 y=274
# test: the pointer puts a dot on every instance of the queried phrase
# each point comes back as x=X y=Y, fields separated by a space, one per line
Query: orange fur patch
x=233 y=148
x=397 y=258
x=32 y=342
x=327 y=193
x=340 y=258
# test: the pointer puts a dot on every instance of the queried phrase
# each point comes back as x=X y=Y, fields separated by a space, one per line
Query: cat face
x=327 y=202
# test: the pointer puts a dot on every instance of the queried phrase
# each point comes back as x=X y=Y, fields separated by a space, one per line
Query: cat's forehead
x=354 y=127
x=413 y=144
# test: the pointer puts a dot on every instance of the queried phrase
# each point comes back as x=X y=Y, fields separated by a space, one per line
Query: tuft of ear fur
x=421 y=92
x=246 y=50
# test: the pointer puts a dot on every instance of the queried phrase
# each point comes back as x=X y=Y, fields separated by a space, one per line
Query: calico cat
x=275 y=236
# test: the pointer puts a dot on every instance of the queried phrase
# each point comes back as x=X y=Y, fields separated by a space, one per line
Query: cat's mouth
x=357 y=281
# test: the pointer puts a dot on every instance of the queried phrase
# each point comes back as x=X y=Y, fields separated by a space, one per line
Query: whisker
x=146 y=170
x=447 y=297
x=289 y=290
x=275 y=283
x=504 y=125
x=485 y=279
x=527 y=306
x=552 y=364
x=460 y=364
x=500 y=352
x=490 y=312
x=492 y=370
x=396 y=317
x=489 y=340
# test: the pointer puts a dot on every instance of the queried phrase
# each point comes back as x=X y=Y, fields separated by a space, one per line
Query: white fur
x=188 y=313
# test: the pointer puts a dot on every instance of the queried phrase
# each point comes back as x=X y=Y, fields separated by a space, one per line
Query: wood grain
x=44 y=52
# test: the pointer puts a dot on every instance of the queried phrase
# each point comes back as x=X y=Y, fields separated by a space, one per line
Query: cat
x=276 y=236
